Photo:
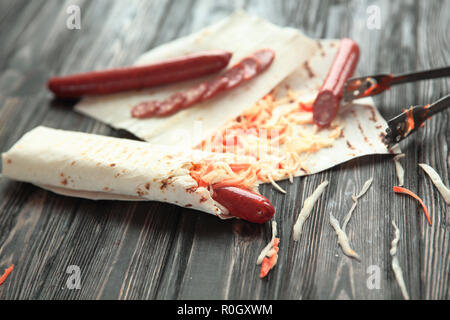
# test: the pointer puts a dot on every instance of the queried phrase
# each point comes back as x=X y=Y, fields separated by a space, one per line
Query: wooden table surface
x=160 y=251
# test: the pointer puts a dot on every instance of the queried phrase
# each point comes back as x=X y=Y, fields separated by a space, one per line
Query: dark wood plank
x=159 y=251
x=433 y=144
x=383 y=49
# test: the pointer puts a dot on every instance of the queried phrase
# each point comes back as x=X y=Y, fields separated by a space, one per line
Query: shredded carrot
x=265 y=267
x=6 y=274
x=236 y=167
x=412 y=194
x=307 y=106
x=276 y=242
x=269 y=262
x=281 y=128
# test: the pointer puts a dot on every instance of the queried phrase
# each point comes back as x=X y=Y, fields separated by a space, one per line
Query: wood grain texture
x=160 y=251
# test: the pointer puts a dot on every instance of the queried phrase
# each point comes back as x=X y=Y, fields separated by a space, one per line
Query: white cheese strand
x=364 y=189
x=399 y=169
x=276 y=186
x=269 y=246
x=437 y=181
x=395 y=265
x=349 y=215
x=343 y=239
x=291 y=178
x=307 y=208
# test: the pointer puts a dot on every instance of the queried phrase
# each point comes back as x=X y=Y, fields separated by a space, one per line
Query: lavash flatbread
x=301 y=65
x=98 y=167
x=241 y=34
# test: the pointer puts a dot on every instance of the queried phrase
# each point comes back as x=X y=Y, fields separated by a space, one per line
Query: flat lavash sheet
x=241 y=34
x=363 y=125
x=105 y=168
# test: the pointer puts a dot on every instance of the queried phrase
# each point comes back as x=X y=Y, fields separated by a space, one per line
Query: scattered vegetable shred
x=340 y=232
x=437 y=181
x=364 y=189
x=269 y=245
x=399 y=169
x=269 y=262
x=275 y=185
x=269 y=255
x=395 y=265
x=307 y=208
x=412 y=194
x=6 y=274
x=342 y=238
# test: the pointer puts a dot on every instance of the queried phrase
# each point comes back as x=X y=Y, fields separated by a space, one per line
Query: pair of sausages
x=169 y=71
x=135 y=78
x=245 y=70
x=326 y=104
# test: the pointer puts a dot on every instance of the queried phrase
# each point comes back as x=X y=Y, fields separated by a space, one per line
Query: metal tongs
x=408 y=121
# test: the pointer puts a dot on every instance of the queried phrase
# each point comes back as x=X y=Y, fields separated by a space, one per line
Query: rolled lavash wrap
x=105 y=168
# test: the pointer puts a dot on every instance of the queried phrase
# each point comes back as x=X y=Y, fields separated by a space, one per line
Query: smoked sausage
x=246 y=69
x=139 y=77
x=244 y=204
x=326 y=104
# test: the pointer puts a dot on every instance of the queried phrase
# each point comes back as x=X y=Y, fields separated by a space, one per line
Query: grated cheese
x=279 y=132
x=275 y=185
x=399 y=169
x=364 y=189
x=341 y=233
x=343 y=239
x=306 y=210
x=437 y=181
x=291 y=177
x=208 y=173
